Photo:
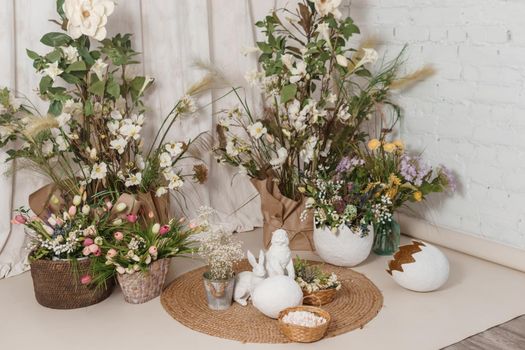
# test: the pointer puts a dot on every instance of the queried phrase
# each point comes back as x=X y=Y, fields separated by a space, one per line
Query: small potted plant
x=139 y=254
x=319 y=287
x=63 y=249
x=221 y=251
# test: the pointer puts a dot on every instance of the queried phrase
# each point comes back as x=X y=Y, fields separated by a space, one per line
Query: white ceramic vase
x=344 y=247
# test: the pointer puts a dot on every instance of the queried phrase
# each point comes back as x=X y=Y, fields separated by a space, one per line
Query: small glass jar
x=386 y=239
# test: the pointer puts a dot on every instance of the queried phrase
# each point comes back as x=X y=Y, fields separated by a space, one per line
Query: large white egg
x=419 y=266
x=275 y=294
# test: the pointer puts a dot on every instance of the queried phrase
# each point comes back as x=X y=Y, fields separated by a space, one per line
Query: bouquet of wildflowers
x=90 y=137
x=318 y=92
x=398 y=177
x=342 y=197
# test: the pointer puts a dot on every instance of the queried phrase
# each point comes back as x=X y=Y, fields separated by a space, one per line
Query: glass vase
x=386 y=239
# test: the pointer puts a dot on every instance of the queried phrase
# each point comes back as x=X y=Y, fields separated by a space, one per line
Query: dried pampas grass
x=413 y=78
x=35 y=125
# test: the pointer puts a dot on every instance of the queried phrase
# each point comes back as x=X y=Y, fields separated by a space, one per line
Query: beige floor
x=478 y=295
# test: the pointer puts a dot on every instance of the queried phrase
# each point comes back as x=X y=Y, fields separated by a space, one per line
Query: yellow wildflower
x=418 y=196
x=394 y=180
x=399 y=144
x=374 y=144
x=392 y=192
x=389 y=147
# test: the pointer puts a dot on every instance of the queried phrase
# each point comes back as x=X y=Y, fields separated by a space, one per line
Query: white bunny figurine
x=279 y=256
x=245 y=282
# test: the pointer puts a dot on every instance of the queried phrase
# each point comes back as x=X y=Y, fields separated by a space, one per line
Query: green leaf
x=88 y=108
x=60 y=9
x=77 y=66
x=55 y=39
x=97 y=88
x=113 y=89
x=32 y=54
x=364 y=73
x=45 y=83
x=55 y=107
x=288 y=93
x=84 y=53
x=54 y=56
x=265 y=48
x=70 y=78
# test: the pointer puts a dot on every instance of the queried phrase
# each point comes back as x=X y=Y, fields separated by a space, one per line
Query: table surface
x=477 y=296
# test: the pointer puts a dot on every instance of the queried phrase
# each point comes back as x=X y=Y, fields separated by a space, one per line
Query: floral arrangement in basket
x=311 y=278
x=71 y=234
x=134 y=246
x=90 y=138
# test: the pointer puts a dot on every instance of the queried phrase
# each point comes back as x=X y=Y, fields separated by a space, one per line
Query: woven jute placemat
x=358 y=302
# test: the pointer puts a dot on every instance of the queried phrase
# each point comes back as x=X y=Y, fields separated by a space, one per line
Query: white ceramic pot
x=344 y=247
x=419 y=266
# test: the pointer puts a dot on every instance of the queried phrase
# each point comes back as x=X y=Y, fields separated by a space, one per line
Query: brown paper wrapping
x=141 y=203
x=282 y=212
x=41 y=204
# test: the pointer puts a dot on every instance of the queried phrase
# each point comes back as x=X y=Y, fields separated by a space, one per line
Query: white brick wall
x=471 y=115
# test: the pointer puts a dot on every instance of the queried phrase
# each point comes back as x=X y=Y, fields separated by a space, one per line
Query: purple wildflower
x=343 y=165
x=449 y=178
x=346 y=163
x=414 y=169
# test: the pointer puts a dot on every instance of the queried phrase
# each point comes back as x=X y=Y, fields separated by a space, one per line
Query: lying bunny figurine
x=245 y=282
x=279 y=256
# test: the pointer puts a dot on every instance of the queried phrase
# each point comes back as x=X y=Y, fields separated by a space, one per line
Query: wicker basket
x=321 y=297
x=141 y=287
x=57 y=284
x=302 y=334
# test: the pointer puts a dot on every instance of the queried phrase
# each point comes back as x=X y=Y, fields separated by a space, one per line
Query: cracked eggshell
x=420 y=267
x=275 y=294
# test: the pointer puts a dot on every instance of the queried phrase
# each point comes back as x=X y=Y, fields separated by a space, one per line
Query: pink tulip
x=20 y=219
x=132 y=218
x=86 y=251
x=152 y=250
x=93 y=248
x=109 y=205
x=86 y=279
x=111 y=253
x=164 y=229
x=72 y=210
x=87 y=242
x=118 y=235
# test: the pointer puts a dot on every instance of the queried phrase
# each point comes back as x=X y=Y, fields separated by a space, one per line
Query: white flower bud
x=77 y=200
x=156 y=228
x=121 y=207
x=86 y=209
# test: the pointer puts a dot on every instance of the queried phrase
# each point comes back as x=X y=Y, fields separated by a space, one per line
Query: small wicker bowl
x=320 y=297
x=303 y=334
